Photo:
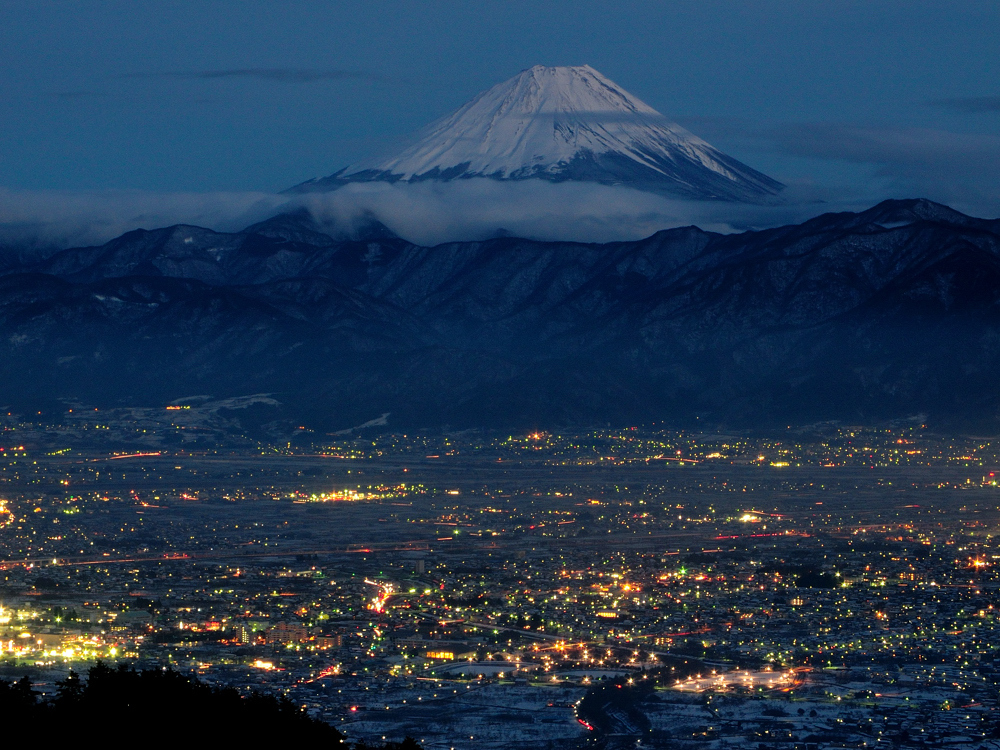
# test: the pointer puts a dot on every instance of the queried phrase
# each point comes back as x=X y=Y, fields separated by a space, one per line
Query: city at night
x=518 y=375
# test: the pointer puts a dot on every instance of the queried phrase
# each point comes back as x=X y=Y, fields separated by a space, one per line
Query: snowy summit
x=558 y=124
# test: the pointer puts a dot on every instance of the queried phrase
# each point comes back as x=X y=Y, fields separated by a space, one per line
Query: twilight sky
x=856 y=100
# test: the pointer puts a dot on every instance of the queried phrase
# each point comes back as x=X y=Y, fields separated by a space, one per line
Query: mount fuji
x=561 y=124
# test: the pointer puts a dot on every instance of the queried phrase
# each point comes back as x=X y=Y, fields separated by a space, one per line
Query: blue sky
x=867 y=99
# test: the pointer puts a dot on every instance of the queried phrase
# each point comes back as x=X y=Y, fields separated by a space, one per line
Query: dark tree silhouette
x=131 y=703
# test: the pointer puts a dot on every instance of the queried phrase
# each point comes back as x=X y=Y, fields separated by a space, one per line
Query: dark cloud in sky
x=283 y=75
x=853 y=142
x=974 y=105
x=958 y=168
x=955 y=168
x=75 y=94
x=912 y=147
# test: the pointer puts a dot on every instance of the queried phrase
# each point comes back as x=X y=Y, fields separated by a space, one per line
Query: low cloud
x=431 y=213
x=45 y=220
x=284 y=75
x=425 y=213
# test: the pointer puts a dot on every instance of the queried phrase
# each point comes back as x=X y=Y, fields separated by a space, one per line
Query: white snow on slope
x=563 y=123
x=538 y=121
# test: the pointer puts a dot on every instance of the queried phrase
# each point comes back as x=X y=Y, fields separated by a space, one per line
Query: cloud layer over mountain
x=424 y=213
x=56 y=219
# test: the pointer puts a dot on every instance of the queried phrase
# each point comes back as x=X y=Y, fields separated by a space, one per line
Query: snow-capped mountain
x=563 y=123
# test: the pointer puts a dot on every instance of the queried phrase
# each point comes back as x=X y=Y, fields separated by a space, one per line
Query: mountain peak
x=906 y=211
x=579 y=90
x=561 y=124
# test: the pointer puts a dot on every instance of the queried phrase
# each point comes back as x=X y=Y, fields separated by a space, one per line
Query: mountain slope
x=882 y=314
x=558 y=124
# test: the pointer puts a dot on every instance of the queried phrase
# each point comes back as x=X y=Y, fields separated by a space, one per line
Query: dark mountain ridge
x=882 y=314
